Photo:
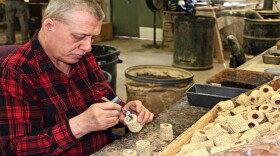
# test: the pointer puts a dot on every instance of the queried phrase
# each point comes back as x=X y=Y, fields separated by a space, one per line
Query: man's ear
x=47 y=25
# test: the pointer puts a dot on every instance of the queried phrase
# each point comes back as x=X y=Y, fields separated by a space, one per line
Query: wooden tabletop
x=257 y=64
x=181 y=115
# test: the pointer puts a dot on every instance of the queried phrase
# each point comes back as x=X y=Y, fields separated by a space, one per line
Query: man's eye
x=79 y=37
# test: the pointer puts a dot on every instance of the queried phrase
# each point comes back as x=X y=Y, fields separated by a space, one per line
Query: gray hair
x=59 y=9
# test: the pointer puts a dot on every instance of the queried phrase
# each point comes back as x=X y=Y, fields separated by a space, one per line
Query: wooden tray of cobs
x=175 y=146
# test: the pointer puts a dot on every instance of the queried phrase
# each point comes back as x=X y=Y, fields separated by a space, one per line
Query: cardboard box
x=106 y=32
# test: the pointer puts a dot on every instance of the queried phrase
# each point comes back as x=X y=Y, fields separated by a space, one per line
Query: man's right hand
x=99 y=116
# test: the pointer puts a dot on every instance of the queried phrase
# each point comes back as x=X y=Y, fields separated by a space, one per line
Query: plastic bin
x=108 y=58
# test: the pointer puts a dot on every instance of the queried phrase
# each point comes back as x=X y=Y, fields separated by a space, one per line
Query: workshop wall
x=129 y=15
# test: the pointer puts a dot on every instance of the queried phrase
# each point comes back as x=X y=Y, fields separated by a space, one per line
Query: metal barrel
x=194 y=42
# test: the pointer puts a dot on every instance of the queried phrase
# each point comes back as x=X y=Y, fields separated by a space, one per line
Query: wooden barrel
x=194 y=42
x=269 y=14
x=260 y=35
x=158 y=87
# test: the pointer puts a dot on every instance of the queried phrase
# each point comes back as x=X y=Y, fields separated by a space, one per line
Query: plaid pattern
x=37 y=101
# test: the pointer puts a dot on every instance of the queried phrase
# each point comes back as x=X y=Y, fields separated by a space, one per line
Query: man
x=19 y=8
x=52 y=87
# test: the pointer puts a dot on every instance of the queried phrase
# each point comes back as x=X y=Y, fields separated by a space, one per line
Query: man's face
x=66 y=42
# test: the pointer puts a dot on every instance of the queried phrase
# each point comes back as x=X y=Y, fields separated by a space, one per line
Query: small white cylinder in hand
x=132 y=124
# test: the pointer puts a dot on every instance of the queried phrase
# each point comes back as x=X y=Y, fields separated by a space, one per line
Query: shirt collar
x=44 y=62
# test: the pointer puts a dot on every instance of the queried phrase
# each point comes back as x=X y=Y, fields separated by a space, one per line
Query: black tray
x=208 y=96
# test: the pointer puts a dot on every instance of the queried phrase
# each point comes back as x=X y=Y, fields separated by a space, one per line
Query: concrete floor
x=135 y=52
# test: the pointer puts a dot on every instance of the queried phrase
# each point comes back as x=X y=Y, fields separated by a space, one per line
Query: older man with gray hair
x=51 y=88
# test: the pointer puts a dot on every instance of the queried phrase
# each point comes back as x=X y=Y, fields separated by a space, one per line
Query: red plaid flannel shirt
x=37 y=101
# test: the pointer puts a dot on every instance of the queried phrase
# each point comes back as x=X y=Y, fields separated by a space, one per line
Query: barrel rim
x=113 y=51
x=159 y=81
x=261 y=38
x=211 y=19
x=109 y=76
x=115 y=61
x=263 y=20
x=270 y=12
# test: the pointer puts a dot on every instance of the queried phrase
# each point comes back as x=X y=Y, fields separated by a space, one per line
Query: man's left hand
x=136 y=107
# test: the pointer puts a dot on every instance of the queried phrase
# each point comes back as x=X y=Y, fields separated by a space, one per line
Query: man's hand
x=144 y=116
x=99 y=116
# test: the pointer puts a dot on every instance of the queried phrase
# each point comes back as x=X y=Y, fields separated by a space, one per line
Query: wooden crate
x=175 y=146
x=106 y=32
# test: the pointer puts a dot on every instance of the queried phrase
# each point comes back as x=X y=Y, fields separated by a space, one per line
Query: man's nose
x=86 y=45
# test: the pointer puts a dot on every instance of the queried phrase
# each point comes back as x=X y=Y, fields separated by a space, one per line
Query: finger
x=110 y=106
x=115 y=123
x=108 y=123
x=150 y=118
x=138 y=106
x=109 y=113
x=112 y=113
x=110 y=120
x=141 y=115
x=100 y=113
x=134 y=106
x=121 y=118
x=112 y=124
x=146 y=117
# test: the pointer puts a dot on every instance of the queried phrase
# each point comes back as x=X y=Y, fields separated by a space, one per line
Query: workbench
x=181 y=115
x=256 y=63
